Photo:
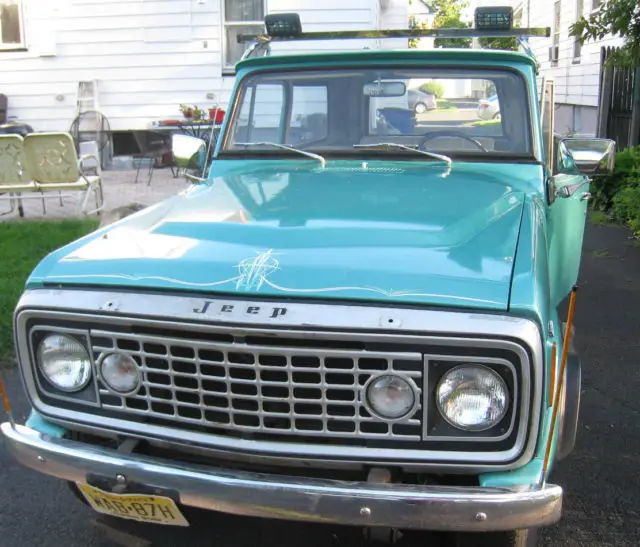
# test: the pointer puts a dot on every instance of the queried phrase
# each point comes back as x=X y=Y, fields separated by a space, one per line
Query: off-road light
x=390 y=396
x=283 y=24
x=494 y=18
x=120 y=372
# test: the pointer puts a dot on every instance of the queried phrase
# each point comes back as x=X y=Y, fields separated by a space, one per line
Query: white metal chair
x=55 y=167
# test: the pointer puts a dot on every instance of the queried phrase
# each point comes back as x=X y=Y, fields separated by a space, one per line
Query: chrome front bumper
x=294 y=498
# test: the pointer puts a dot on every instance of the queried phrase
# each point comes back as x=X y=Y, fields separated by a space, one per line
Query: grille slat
x=282 y=391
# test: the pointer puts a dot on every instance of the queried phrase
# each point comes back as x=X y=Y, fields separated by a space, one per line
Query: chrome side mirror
x=588 y=156
x=188 y=152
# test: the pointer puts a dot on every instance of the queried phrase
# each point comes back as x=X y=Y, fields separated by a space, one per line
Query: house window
x=240 y=17
x=11 y=25
x=554 y=51
x=595 y=4
x=577 y=46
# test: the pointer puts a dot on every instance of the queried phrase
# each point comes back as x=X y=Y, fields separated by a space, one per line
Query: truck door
x=567 y=216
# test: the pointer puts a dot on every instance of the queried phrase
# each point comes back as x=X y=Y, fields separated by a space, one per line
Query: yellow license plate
x=156 y=509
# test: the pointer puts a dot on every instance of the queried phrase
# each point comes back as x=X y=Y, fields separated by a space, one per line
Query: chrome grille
x=232 y=385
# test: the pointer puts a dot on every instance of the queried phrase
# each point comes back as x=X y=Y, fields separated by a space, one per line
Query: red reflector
x=484 y=106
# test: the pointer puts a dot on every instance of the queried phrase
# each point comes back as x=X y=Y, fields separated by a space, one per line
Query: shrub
x=626 y=203
x=604 y=188
x=434 y=88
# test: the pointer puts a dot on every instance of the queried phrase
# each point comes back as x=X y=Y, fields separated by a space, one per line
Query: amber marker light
x=563 y=364
x=552 y=379
x=5 y=401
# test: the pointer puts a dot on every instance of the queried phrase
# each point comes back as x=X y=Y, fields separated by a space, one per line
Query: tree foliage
x=413 y=42
x=508 y=42
x=445 y=10
x=453 y=22
x=448 y=14
x=433 y=88
x=617 y=18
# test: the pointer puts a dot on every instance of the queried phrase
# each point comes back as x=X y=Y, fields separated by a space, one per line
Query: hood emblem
x=253 y=272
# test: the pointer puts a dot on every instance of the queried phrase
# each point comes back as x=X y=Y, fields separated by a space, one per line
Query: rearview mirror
x=188 y=152
x=384 y=89
x=589 y=156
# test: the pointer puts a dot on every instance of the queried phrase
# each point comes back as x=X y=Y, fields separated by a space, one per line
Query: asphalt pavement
x=601 y=477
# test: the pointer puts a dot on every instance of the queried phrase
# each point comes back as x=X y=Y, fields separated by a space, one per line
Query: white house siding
x=577 y=81
x=148 y=56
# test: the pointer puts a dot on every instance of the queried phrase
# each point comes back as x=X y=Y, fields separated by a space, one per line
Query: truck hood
x=396 y=232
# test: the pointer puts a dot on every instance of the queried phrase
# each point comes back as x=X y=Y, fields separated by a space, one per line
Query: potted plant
x=216 y=114
x=198 y=113
x=187 y=111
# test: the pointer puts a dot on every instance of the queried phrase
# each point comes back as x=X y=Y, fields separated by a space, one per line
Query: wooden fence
x=619 y=103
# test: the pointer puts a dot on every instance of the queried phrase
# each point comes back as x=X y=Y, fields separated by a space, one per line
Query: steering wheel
x=449 y=133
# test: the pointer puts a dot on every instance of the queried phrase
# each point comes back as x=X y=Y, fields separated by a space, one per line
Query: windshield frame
x=240 y=87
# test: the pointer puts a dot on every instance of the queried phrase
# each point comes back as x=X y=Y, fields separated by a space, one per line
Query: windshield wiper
x=285 y=147
x=387 y=145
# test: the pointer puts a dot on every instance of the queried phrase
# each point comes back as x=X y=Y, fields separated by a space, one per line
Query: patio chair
x=55 y=167
x=15 y=177
x=152 y=145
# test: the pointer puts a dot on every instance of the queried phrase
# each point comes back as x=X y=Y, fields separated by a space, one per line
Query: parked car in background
x=488 y=109
x=421 y=101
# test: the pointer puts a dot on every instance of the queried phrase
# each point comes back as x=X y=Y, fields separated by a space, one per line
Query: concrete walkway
x=119 y=189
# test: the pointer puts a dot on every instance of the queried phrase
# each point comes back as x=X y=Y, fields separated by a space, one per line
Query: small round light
x=472 y=397
x=120 y=372
x=64 y=362
x=391 y=397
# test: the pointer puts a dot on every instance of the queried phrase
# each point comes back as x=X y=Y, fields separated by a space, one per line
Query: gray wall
x=570 y=118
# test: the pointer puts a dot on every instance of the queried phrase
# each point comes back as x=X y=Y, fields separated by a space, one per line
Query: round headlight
x=390 y=397
x=64 y=362
x=472 y=397
x=120 y=372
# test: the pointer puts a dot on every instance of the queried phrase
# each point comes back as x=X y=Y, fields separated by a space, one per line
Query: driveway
x=601 y=478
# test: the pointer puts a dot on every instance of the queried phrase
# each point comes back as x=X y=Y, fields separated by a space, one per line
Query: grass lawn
x=23 y=245
x=484 y=123
x=443 y=104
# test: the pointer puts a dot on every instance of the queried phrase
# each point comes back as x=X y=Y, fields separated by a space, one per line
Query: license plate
x=156 y=509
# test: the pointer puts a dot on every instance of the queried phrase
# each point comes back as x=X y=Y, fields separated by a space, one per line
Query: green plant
x=626 y=203
x=605 y=187
x=509 y=43
x=192 y=111
x=448 y=14
x=599 y=218
x=414 y=24
x=446 y=105
x=617 y=18
x=434 y=88
x=187 y=110
x=453 y=22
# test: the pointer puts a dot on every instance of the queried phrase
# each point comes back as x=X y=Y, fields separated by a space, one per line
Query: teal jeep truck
x=352 y=316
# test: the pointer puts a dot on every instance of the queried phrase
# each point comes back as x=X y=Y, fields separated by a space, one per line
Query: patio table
x=202 y=129
x=199 y=129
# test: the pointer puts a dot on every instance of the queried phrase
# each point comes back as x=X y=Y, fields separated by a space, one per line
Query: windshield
x=332 y=111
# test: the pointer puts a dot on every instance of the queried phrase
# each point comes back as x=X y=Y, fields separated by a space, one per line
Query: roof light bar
x=402 y=33
x=491 y=22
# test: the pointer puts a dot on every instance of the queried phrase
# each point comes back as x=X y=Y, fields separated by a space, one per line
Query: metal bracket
x=570 y=189
x=193 y=178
